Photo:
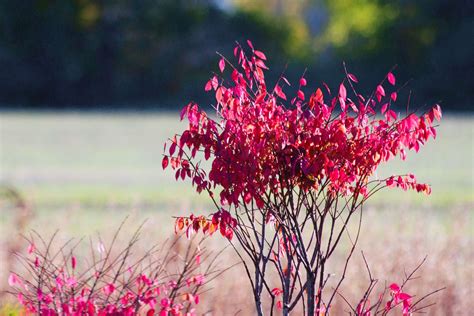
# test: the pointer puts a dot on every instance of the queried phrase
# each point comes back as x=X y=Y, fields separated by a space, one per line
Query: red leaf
x=301 y=95
x=208 y=86
x=403 y=296
x=279 y=92
x=303 y=82
x=173 y=147
x=109 y=289
x=391 y=78
x=393 y=96
x=150 y=312
x=353 y=78
x=260 y=55
x=384 y=108
x=390 y=115
x=319 y=96
x=73 y=262
x=165 y=162
x=276 y=291
x=394 y=287
x=437 y=112
x=261 y=64
x=222 y=64
x=249 y=43
x=343 y=104
x=13 y=279
x=316 y=99
x=380 y=90
x=31 y=248
x=219 y=93
x=342 y=91
x=215 y=82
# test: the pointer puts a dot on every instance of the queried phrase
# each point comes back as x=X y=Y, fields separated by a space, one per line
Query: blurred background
x=91 y=89
x=155 y=54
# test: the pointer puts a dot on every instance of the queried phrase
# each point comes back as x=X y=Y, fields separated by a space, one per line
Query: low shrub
x=112 y=280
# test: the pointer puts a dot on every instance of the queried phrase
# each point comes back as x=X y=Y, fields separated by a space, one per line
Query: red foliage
x=259 y=145
x=110 y=285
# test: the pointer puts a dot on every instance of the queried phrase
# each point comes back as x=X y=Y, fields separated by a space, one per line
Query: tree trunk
x=310 y=279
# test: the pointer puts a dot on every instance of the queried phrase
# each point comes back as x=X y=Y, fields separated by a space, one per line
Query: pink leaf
x=343 y=104
x=393 y=96
x=249 y=43
x=303 y=82
x=342 y=91
x=165 y=162
x=394 y=287
x=279 y=305
x=214 y=82
x=353 y=78
x=380 y=90
x=260 y=55
x=276 y=291
x=300 y=95
x=71 y=282
x=31 y=248
x=13 y=279
x=173 y=147
x=73 y=262
x=437 y=112
x=222 y=64
x=279 y=92
x=379 y=93
x=391 y=78
x=208 y=86
x=109 y=289
x=261 y=64
x=403 y=296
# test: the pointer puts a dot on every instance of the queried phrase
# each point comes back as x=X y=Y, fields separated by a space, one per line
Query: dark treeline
x=153 y=54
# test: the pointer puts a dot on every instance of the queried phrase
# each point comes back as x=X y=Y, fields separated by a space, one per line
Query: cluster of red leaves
x=397 y=298
x=408 y=182
x=262 y=143
x=221 y=220
x=62 y=290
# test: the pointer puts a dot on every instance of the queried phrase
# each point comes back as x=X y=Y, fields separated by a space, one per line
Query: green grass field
x=85 y=172
x=100 y=159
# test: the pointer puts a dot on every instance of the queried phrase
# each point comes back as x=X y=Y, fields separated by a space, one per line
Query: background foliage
x=151 y=53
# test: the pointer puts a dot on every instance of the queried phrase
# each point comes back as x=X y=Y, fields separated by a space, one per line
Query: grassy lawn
x=100 y=159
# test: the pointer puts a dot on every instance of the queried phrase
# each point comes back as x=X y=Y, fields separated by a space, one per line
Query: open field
x=83 y=173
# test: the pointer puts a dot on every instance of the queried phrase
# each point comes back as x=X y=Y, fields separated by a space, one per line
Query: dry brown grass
x=394 y=240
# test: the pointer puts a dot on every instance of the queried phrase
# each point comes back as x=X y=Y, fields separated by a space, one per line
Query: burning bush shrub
x=112 y=280
x=292 y=173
